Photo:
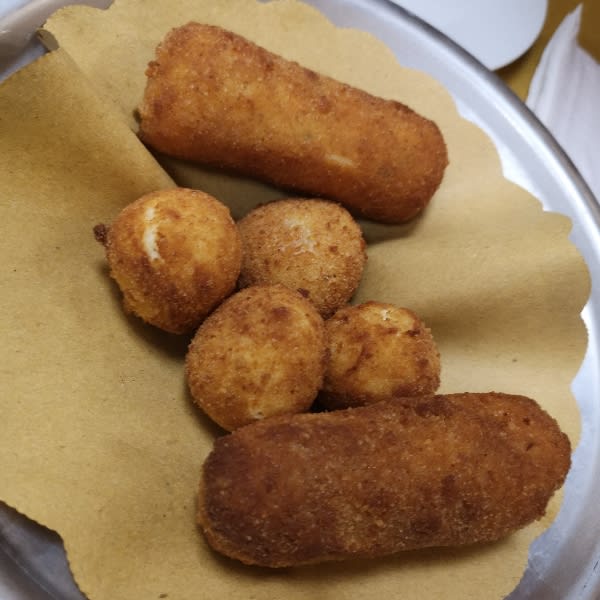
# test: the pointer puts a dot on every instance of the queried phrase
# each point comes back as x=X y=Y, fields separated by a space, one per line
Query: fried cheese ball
x=311 y=245
x=216 y=98
x=378 y=351
x=175 y=254
x=401 y=474
x=261 y=353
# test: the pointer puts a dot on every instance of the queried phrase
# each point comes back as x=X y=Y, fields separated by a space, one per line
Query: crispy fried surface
x=400 y=474
x=216 y=98
x=261 y=353
x=313 y=246
x=175 y=254
x=378 y=351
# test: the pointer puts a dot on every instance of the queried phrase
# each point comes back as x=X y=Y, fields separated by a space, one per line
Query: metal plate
x=563 y=562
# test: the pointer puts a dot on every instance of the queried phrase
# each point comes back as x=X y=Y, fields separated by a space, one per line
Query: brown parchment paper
x=100 y=440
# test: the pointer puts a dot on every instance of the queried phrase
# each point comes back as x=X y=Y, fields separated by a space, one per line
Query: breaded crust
x=175 y=254
x=216 y=98
x=261 y=353
x=310 y=245
x=377 y=351
x=397 y=475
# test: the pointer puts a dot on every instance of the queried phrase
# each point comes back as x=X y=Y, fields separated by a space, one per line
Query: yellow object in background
x=518 y=75
x=589 y=33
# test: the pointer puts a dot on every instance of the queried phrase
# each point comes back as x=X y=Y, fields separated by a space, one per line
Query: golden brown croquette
x=378 y=351
x=398 y=475
x=310 y=245
x=175 y=254
x=261 y=353
x=216 y=98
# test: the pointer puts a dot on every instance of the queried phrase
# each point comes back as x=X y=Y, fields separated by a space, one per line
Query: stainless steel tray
x=564 y=561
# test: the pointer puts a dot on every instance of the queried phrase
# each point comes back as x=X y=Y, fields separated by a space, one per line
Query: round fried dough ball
x=175 y=254
x=310 y=245
x=261 y=353
x=378 y=351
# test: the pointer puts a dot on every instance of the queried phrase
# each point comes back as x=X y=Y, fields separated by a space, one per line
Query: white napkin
x=565 y=95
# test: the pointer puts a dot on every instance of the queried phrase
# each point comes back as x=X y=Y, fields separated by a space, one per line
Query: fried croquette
x=313 y=246
x=261 y=353
x=175 y=254
x=377 y=351
x=218 y=99
x=401 y=474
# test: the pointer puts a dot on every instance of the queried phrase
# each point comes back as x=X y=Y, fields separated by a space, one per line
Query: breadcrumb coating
x=261 y=353
x=377 y=351
x=215 y=98
x=401 y=474
x=310 y=245
x=175 y=254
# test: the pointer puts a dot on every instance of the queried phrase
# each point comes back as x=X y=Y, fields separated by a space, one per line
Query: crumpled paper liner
x=101 y=441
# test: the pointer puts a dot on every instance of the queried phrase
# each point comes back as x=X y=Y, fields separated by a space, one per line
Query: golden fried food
x=175 y=254
x=377 y=351
x=216 y=98
x=261 y=353
x=313 y=246
x=401 y=474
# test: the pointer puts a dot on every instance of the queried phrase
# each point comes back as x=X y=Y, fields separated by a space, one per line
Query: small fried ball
x=261 y=353
x=310 y=245
x=378 y=351
x=175 y=254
